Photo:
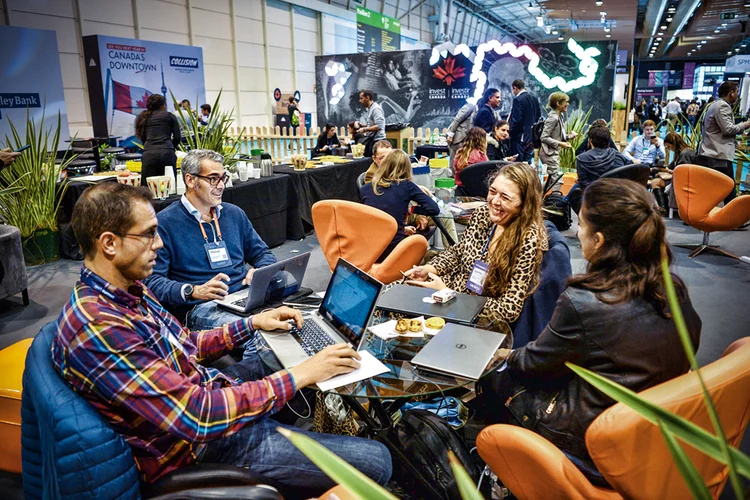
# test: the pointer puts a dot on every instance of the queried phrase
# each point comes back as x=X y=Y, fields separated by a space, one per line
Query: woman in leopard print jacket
x=507 y=237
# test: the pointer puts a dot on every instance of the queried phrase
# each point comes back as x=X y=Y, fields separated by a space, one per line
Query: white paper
x=92 y=178
x=322 y=295
x=369 y=367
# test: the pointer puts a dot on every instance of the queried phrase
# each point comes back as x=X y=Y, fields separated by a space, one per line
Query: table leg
x=443 y=230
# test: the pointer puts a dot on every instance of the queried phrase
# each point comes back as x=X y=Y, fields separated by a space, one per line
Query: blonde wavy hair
x=395 y=168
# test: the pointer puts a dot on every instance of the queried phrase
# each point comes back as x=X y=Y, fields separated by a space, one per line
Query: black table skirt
x=270 y=203
x=335 y=182
x=430 y=151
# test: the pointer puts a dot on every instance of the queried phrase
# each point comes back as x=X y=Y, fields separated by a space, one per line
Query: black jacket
x=485 y=118
x=524 y=113
x=629 y=343
x=497 y=150
x=324 y=140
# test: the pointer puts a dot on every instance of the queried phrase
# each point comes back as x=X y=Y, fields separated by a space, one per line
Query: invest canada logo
x=183 y=62
x=449 y=71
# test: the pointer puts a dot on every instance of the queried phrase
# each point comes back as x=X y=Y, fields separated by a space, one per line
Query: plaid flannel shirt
x=141 y=369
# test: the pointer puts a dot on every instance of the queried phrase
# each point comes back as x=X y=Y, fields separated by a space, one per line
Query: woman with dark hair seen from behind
x=614 y=320
x=507 y=236
x=498 y=145
x=391 y=190
x=683 y=155
x=327 y=140
x=473 y=150
x=159 y=132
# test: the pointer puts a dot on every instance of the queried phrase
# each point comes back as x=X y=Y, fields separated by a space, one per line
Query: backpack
x=294 y=120
x=536 y=133
x=556 y=209
x=425 y=439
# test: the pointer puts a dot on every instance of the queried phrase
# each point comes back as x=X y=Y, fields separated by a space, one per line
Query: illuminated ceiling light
x=659 y=39
x=660 y=34
x=608 y=35
x=724 y=25
x=716 y=31
x=729 y=53
x=703 y=42
x=555 y=32
x=669 y=19
x=607 y=30
x=737 y=49
x=602 y=13
x=560 y=38
x=588 y=66
x=663 y=27
x=598 y=3
x=743 y=45
x=671 y=9
x=539 y=21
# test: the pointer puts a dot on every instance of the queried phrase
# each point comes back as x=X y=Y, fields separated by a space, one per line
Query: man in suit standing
x=524 y=113
x=720 y=132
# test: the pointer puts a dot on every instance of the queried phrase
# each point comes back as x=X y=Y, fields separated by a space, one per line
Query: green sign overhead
x=728 y=15
x=378 y=20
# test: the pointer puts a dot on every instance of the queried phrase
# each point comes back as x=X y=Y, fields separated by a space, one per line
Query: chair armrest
x=409 y=252
x=232 y=493
x=203 y=476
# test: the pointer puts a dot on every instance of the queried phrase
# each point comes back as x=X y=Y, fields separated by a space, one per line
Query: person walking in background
x=159 y=132
x=204 y=114
x=719 y=133
x=473 y=150
x=485 y=117
x=458 y=129
x=294 y=115
x=374 y=130
x=692 y=114
x=524 y=113
x=674 y=111
x=554 y=135
x=654 y=111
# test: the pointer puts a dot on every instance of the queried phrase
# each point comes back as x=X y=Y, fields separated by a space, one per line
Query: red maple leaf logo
x=141 y=103
x=449 y=72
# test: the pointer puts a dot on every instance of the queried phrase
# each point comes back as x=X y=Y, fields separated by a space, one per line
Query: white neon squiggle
x=341 y=76
x=587 y=66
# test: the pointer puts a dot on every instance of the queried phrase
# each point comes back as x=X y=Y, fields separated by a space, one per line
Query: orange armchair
x=359 y=234
x=698 y=190
x=629 y=451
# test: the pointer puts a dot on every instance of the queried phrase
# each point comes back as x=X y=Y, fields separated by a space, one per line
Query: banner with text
x=376 y=32
x=122 y=73
x=30 y=80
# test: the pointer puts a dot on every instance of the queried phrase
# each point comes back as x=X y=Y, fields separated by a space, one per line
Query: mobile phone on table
x=23 y=148
x=308 y=301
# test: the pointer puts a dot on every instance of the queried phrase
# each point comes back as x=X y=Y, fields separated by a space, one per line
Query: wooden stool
x=12 y=359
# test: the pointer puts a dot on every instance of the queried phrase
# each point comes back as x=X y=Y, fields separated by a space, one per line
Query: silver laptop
x=459 y=350
x=269 y=283
x=342 y=317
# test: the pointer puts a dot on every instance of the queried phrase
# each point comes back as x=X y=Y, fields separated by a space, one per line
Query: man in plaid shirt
x=134 y=362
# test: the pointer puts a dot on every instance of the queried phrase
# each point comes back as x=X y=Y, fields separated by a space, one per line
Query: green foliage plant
x=577 y=121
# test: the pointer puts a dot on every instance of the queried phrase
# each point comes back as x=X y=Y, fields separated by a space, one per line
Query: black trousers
x=154 y=160
x=725 y=167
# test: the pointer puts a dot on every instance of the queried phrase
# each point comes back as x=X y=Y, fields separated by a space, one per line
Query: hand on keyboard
x=331 y=361
x=281 y=318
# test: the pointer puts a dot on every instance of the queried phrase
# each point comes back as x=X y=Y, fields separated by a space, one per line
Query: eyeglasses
x=213 y=180
x=149 y=235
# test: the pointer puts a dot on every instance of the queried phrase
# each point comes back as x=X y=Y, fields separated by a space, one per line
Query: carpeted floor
x=719 y=288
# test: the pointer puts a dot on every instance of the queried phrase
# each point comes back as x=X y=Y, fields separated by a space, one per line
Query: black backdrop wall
x=412 y=91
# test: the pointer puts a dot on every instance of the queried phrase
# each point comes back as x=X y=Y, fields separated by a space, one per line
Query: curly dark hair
x=154 y=103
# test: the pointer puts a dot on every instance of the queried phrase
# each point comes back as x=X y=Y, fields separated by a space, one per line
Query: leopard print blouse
x=454 y=266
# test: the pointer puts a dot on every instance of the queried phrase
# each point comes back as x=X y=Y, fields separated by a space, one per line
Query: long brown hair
x=676 y=141
x=628 y=265
x=476 y=138
x=154 y=103
x=395 y=168
x=504 y=254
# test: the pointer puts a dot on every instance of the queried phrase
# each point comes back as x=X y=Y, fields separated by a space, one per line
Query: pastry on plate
x=415 y=325
x=402 y=326
x=435 y=323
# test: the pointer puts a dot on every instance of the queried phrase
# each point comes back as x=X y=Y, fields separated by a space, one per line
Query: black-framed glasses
x=213 y=180
x=149 y=235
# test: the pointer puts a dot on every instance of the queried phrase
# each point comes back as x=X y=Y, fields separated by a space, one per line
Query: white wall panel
x=306 y=40
x=228 y=99
x=164 y=36
x=156 y=14
x=76 y=103
x=248 y=8
x=218 y=77
x=254 y=103
x=250 y=55
x=215 y=51
x=252 y=79
x=278 y=13
x=279 y=58
x=249 y=30
x=61 y=8
x=305 y=21
x=212 y=5
x=67 y=36
x=72 y=76
x=97 y=28
x=305 y=81
x=281 y=79
x=211 y=24
x=305 y=61
x=107 y=11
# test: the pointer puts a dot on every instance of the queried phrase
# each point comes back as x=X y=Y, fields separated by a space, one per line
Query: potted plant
x=576 y=122
x=214 y=135
x=30 y=194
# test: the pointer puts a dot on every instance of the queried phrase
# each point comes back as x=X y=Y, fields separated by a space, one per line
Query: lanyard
x=218 y=229
x=487 y=243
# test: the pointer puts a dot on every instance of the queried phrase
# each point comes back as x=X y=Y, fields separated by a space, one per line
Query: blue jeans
x=208 y=315
x=260 y=447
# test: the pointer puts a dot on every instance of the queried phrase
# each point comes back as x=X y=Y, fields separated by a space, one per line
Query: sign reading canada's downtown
x=376 y=32
x=122 y=73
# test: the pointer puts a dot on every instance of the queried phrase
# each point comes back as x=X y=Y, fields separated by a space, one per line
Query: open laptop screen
x=350 y=300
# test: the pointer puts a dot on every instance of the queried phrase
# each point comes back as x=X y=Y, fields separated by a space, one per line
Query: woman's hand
x=510 y=158
x=422 y=223
x=409 y=230
x=324 y=148
x=420 y=273
x=436 y=282
x=565 y=145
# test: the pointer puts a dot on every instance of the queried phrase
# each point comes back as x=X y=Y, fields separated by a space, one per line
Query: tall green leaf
x=466 y=485
x=336 y=468
x=687 y=470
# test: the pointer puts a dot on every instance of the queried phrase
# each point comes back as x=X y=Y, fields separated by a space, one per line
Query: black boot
x=661 y=200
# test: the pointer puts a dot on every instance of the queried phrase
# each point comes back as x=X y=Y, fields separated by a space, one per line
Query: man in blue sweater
x=206 y=246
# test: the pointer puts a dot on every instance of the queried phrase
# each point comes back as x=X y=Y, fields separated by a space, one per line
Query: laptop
x=407 y=299
x=459 y=350
x=341 y=318
x=269 y=283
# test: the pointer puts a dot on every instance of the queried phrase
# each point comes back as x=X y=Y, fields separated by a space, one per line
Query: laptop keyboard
x=313 y=338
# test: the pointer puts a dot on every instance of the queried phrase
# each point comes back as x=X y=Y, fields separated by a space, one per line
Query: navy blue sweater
x=394 y=200
x=183 y=258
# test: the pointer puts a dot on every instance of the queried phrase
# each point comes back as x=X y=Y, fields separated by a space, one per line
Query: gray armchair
x=12 y=266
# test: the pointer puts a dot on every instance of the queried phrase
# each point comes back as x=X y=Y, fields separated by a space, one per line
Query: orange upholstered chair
x=359 y=234
x=698 y=190
x=629 y=451
x=12 y=360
